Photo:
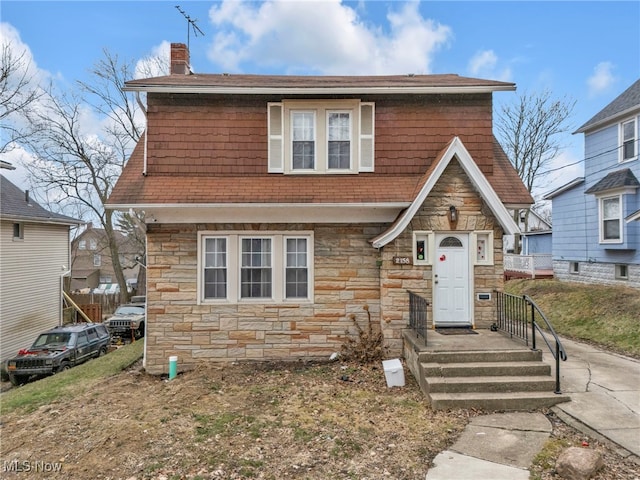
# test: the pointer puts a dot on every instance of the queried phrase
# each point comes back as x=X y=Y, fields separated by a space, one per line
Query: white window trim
x=476 y=238
x=321 y=109
x=601 y=238
x=362 y=135
x=621 y=158
x=429 y=238
x=278 y=266
x=618 y=267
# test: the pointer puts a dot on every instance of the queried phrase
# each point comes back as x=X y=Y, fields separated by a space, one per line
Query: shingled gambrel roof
x=622 y=105
x=135 y=190
x=14 y=205
x=615 y=180
x=181 y=189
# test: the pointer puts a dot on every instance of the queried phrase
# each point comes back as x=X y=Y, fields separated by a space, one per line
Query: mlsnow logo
x=37 y=466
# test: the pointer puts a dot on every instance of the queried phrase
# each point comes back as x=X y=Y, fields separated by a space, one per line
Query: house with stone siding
x=277 y=207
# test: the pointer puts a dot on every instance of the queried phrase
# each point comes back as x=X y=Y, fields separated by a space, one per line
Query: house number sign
x=402 y=261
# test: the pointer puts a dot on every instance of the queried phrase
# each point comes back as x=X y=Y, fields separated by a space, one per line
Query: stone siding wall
x=454 y=188
x=348 y=274
x=346 y=279
x=597 y=273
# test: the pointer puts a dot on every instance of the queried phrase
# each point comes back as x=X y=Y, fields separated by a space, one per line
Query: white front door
x=451 y=280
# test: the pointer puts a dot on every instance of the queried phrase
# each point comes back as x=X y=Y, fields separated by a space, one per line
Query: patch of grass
x=602 y=315
x=346 y=448
x=302 y=434
x=212 y=425
x=545 y=460
x=71 y=382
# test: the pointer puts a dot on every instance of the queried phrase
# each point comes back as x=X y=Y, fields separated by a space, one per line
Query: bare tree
x=530 y=130
x=18 y=92
x=82 y=142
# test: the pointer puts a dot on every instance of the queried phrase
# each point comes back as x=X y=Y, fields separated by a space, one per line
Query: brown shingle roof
x=276 y=83
x=135 y=189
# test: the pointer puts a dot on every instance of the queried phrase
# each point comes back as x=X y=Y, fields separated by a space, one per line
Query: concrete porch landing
x=484 y=340
x=487 y=370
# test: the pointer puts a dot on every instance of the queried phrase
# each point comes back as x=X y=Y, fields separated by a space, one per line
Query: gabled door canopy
x=456 y=149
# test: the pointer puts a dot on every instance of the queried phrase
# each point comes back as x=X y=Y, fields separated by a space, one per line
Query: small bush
x=368 y=346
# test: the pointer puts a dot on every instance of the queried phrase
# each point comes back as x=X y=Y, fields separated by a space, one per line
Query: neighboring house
x=91 y=263
x=596 y=235
x=279 y=206
x=34 y=259
x=530 y=223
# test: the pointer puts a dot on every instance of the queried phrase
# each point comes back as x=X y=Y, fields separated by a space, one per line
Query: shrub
x=368 y=344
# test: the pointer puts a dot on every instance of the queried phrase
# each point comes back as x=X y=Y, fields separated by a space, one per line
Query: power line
x=584 y=159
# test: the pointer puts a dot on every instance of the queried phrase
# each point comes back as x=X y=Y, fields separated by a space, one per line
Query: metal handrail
x=418 y=314
x=515 y=308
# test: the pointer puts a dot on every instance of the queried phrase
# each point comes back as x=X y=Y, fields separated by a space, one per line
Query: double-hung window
x=628 y=140
x=297 y=268
x=256 y=279
x=269 y=267
x=215 y=268
x=610 y=219
x=321 y=136
x=303 y=140
x=339 y=140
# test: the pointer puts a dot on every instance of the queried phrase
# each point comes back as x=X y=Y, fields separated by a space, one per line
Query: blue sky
x=586 y=51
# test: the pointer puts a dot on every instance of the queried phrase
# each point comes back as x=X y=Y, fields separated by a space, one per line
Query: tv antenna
x=191 y=22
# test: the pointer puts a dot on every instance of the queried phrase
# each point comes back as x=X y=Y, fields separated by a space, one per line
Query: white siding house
x=34 y=258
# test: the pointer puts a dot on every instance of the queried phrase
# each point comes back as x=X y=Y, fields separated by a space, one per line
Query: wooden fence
x=96 y=305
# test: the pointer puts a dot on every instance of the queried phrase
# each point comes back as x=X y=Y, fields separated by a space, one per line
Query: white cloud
x=20 y=50
x=484 y=64
x=156 y=63
x=601 y=79
x=322 y=37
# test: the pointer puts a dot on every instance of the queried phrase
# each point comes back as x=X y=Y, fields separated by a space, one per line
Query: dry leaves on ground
x=267 y=421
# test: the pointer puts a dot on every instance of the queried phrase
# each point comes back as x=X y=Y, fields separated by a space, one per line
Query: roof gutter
x=313 y=90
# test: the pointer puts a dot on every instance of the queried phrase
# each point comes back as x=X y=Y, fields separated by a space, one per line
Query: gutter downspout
x=144 y=112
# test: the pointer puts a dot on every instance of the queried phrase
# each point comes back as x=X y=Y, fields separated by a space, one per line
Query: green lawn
x=608 y=316
x=71 y=382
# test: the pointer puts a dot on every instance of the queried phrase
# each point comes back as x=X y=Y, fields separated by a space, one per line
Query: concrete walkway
x=605 y=395
x=499 y=446
x=605 y=404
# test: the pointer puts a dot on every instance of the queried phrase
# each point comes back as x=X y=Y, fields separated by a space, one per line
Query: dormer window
x=628 y=141
x=320 y=137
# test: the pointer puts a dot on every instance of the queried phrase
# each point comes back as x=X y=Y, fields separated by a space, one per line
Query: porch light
x=453 y=214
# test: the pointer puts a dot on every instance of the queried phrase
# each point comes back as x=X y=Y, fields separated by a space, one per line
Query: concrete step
x=519 y=355
x=537 y=383
x=491 y=369
x=496 y=401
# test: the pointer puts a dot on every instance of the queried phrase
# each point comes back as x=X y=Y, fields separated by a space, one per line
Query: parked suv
x=127 y=321
x=59 y=349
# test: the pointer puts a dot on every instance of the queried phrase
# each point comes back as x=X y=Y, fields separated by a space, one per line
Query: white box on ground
x=393 y=372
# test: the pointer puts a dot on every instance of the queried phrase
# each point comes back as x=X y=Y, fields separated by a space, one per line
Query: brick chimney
x=180 y=59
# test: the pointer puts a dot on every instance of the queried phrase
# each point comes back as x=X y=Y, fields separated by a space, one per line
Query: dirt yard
x=266 y=421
